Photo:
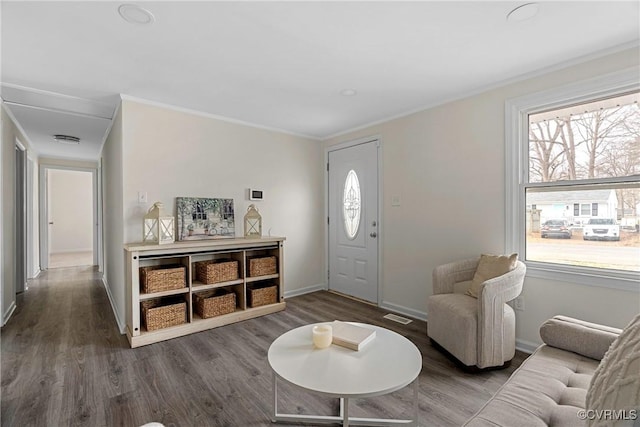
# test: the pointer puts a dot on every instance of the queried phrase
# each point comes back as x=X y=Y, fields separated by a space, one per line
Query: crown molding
x=502 y=83
x=23 y=135
x=176 y=108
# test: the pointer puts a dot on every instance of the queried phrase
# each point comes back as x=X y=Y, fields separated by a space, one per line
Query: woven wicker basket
x=157 y=278
x=262 y=266
x=216 y=271
x=262 y=294
x=215 y=303
x=159 y=314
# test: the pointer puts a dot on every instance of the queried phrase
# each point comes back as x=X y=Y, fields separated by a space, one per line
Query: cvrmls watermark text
x=608 y=414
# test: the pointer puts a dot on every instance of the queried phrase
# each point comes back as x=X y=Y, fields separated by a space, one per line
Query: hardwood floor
x=64 y=363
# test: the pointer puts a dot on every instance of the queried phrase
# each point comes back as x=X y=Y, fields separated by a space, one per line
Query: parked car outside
x=555 y=228
x=601 y=229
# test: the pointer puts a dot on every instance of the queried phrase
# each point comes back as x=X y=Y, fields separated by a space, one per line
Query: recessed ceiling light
x=135 y=14
x=66 y=139
x=348 y=92
x=523 y=12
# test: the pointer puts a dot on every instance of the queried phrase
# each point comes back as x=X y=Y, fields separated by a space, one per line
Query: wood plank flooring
x=64 y=363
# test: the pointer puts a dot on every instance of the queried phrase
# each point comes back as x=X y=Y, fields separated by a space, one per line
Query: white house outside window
x=573 y=181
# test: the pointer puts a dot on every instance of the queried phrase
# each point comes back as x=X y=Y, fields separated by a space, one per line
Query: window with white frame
x=573 y=181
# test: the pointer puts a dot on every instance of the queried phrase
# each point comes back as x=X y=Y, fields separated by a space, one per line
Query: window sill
x=622 y=280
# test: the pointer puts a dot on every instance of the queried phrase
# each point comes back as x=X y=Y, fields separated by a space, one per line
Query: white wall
x=71 y=210
x=447 y=166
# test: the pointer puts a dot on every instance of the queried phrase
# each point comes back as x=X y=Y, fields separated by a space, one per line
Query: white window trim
x=516 y=168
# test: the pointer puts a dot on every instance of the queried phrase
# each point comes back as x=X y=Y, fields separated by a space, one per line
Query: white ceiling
x=281 y=65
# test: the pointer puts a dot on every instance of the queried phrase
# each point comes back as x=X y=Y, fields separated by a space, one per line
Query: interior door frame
x=340 y=146
x=96 y=208
x=20 y=212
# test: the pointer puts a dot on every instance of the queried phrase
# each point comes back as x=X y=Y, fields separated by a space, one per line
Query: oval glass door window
x=351 y=204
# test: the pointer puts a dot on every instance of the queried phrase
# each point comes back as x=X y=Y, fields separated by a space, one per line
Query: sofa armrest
x=588 y=339
x=447 y=275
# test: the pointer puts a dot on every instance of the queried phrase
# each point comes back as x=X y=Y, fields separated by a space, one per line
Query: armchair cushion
x=489 y=267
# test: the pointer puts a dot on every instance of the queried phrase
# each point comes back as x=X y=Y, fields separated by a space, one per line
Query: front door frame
x=347 y=144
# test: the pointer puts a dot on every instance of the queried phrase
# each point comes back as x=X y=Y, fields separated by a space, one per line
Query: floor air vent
x=398 y=319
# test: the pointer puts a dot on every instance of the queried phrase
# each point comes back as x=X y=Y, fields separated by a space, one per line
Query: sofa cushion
x=588 y=339
x=489 y=267
x=616 y=383
x=548 y=389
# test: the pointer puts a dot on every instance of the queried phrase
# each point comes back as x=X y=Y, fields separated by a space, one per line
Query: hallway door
x=70 y=211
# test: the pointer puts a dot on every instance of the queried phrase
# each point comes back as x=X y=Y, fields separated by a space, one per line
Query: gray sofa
x=565 y=376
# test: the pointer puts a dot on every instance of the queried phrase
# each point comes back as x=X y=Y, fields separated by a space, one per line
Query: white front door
x=353 y=221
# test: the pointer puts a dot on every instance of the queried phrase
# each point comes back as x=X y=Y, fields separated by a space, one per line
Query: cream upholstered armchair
x=476 y=331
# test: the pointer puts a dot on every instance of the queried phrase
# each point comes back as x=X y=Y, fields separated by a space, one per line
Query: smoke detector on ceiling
x=135 y=14
x=523 y=12
x=66 y=139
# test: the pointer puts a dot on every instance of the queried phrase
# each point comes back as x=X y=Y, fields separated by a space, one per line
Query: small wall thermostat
x=255 y=194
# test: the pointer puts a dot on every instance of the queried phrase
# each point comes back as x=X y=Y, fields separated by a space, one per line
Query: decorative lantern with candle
x=157 y=226
x=252 y=222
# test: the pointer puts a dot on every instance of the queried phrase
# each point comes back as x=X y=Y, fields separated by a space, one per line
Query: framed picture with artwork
x=201 y=218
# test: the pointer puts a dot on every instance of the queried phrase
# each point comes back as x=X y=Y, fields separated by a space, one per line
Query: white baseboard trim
x=36 y=274
x=8 y=313
x=121 y=327
x=526 y=346
x=307 y=290
x=399 y=309
x=521 y=345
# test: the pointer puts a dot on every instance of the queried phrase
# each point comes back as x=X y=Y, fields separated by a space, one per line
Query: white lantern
x=252 y=222
x=158 y=227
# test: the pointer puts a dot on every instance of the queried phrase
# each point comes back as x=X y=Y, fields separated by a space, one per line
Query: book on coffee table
x=351 y=336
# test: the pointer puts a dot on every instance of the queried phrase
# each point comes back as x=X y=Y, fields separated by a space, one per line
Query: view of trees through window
x=583 y=189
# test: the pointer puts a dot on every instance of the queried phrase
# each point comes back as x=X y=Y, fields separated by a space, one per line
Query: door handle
x=373 y=234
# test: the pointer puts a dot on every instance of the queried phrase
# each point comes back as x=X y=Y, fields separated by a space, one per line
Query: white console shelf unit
x=187 y=254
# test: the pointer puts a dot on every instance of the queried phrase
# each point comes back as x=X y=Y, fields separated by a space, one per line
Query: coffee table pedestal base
x=344 y=416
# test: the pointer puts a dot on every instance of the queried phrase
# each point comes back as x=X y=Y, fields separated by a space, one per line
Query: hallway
x=56 y=349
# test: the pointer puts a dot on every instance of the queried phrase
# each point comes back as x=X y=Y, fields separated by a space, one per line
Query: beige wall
x=33 y=229
x=447 y=166
x=8 y=217
x=112 y=219
x=8 y=286
x=168 y=153
x=71 y=199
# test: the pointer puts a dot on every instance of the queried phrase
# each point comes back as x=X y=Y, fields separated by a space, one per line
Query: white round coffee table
x=386 y=364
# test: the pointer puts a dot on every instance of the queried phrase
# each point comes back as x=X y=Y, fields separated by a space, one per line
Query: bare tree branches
x=595 y=144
